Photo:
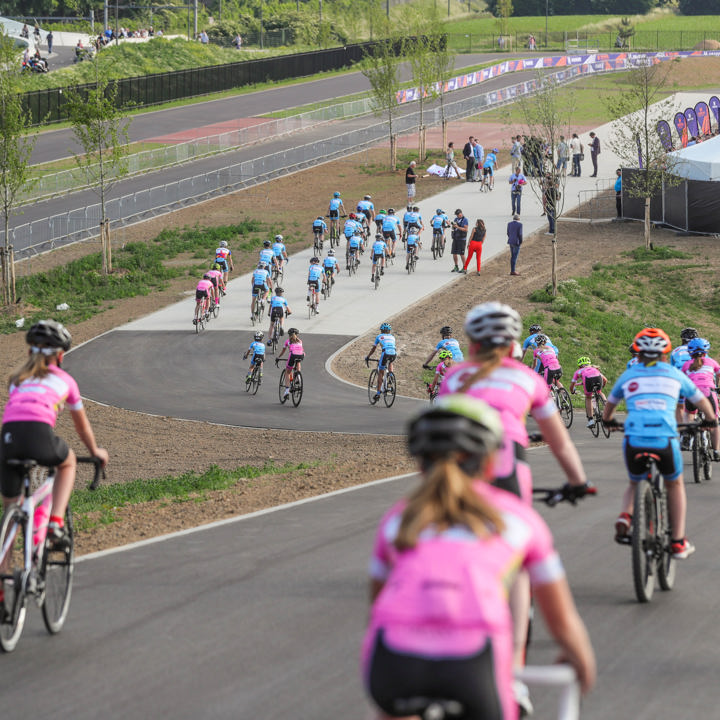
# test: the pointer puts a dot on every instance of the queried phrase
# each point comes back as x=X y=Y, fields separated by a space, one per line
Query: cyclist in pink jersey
x=591 y=379
x=38 y=391
x=216 y=278
x=446 y=362
x=202 y=296
x=441 y=567
x=704 y=372
x=296 y=355
x=548 y=359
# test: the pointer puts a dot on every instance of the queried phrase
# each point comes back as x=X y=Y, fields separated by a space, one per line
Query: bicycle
x=412 y=262
x=259 y=310
x=201 y=316
x=253 y=381
x=278 y=274
x=317 y=243
x=334 y=231
x=388 y=389
x=214 y=310
x=296 y=385
x=327 y=284
x=438 y=244
x=432 y=391
x=35 y=567
x=485 y=184
x=353 y=261
x=312 y=302
x=702 y=451
x=561 y=397
x=598 y=405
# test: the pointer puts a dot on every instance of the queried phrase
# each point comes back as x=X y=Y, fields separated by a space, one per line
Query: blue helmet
x=386 y=327
x=336 y=194
x=698 y=346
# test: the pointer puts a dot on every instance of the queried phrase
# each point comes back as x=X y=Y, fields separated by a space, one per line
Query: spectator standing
x=516 y=151
x=49 y=38
x=450 y=163
x=517 y=180
x=410 y=178
x=563 y=153
x=515 y=238
x=618 y=192
x=594 y=151
x=552 y=196
x=459 y=238
x=469 y=158
x=237 y=42
x=477 y=237
x=576 y=148
x=479 y=153
x=204 y=39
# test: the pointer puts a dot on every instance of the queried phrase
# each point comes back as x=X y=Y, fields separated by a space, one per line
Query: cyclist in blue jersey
x=530 y=344
x=354 y=246
x=489 y=167
x=223 y=256
x=448 y=342
x=651 y=389
x=390 y=229
x=319 y=228
x=678 y=357
x=413 y=244
x=315 y=274
x=280 y=251
x=267 y=255
x=379 y=251
x=406 y=220
x=440 y=221
x=352 y=227
x=279 y=308
x=257 y=350
x=379 y=219
x=367 y=208
x=261 y=285
x=330 y=268
x=335 y=209
x=388 y=353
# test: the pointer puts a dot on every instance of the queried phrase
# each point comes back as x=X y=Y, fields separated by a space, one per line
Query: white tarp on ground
x=698 y=162
x=442 y=171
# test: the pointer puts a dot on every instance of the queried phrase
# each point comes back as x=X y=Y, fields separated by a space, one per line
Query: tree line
x=522 y=8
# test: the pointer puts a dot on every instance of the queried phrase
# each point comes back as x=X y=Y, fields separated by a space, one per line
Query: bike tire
x=643 y=535
x=296 y=389
x=376 y=281
x=57 y=572
x=255 y=380
x=390 y=389
x=666 y=563
x=707 y=458
x=565 y=407
x=215 y=310
x=281 y=388
x=595 y=429
x=197 y=325
x=600 y=410
x=442 y=248
x=15 y=605
x=372 y=385
x=697 y=458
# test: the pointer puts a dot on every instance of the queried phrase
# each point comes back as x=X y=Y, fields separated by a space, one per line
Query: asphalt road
x=263 y=617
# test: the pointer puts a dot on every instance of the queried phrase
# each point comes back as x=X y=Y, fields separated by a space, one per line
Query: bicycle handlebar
x=567 y=493
x=99 y=470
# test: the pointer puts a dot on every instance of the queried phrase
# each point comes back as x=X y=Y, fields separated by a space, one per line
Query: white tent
x=697 y=162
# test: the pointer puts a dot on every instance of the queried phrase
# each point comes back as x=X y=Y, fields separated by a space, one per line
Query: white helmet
x=331 y=253
x=223 y=243
x=278 y=238
x=493 y=324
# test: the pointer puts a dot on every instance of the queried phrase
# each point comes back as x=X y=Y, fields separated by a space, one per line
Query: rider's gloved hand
x=572 y=493
x=611 y=424
x=708 y=423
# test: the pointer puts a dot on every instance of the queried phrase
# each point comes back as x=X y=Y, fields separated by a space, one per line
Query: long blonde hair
x=36 y=365
x=489 y=359
x=445 y=498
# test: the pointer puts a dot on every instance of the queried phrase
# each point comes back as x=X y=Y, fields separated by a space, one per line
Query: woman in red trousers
x=475 y=246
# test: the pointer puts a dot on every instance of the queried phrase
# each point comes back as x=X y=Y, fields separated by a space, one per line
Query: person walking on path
x=515 y=238
x=563 y=152
x=517 y=180
x=516 y=151
x=594 y=151
x=459 y=238
x=450 y=164
x=410 y=178
x=469 y=157
x=49 y=38
x=618 y=192
x=576 y=148
x=477 y=237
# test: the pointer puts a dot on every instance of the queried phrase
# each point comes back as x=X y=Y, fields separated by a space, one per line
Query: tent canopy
x=697 y=162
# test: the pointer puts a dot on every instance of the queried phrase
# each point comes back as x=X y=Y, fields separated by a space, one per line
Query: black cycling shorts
x=293 y=360
x=212 y=279
x=691 y=407
x=27 y=441
x=201 y=294
x=395 y=676
x=378 y=257
x=259 y=290
x=257 y=359
x=385 y=360
x=276 y=313
x=389 y=234
x=553 y=375
x=334 y=213
x=313 y=284
x=222 y=263
x=592 y=384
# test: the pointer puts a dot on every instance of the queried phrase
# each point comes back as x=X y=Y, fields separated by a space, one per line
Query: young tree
x=638 y=110
x=381 y=67
x=101 y=129
x=546 y=117
x=16 y=146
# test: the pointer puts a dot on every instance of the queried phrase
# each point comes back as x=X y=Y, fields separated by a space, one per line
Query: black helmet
x=293 y=331
x=688 y=333
x=540 y=339
x=535 y=329
x=267 y=243
x=279 y=291
x=446 y=330
x=50 y=334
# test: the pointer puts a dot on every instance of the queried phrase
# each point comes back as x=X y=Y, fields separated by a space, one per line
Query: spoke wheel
x=600 y=411
x=254 y=384
x=377 y=278
x=643 y=541
x=14 y=608
x=565 y=406
x=215 y=310
x=707 y=457
x=697 y=457
x=442 y=248
x=372 y=385
x=390 y=389
x=665 y=562
x=57 y=571
x=296 y=389
x=281 y=389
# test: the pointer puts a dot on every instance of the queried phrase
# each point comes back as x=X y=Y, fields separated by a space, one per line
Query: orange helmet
x=652 y=341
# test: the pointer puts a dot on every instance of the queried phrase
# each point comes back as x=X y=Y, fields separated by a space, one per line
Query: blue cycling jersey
x=490 y=160
x=267 y=255
x=412 y=240
x=379 y=247
x=278 y=249
x=407 y=216
x=315 y=273
x=679 y=356
x=350 y=227
x=390 y=223
x=387 y=343
x=651 y=394
x=257 y=348
x=335 y=203
x=453 y=346
x=260 y=277
x=320 y=225
x=413 y=218
x=438 y=221
x=278 y=301
x=365 y=205
x=354 y=242
x=330 y=262
x=529 y=342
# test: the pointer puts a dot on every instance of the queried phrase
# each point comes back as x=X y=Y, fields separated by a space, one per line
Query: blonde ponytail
x=489 y=359
x=35 y=366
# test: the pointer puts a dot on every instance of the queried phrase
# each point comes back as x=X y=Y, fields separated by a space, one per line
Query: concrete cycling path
x=202 y=376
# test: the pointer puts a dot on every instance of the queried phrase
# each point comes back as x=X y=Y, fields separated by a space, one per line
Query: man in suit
x=469 y=160
x=594 y=151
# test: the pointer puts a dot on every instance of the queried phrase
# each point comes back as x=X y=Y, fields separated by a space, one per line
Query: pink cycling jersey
x=42 y=399
x=514 y=391
x=704 y=376
x=447 y=596
x=547 y=357
x=295 y=348
x=440 y=371
x=585 y=373
x=214 y=273
x=204 y=285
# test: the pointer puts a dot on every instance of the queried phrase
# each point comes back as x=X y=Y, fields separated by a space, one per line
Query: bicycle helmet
x=351 y=216
x=698 y=346
x=315 y=260
x=493 y=324
x=386 y=328
x=378 y=236
x=446 y=330
x=267 y=244
x=279 y=238
x=367 y=197
x=223 y=243
x=293 y=331
x=439 y=212
x=444 y=354
x=279 y=291
x=336 y=194
x=331 y=253
x=652 y=342
x=391 y=211
x=633 y=351
x=319 y=217
x=535 y=329
x=50 y=334
x=582 y=361
x=258 y=335
x=262 y=266
x=416 y=208
x=409 y=208
x=495 y=150
x=540 y=339
x=688 y=334
x=216 y=266
x=454 y=424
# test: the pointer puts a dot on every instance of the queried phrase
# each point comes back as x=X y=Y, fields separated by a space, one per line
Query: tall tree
x=101 y=129
x=16 y=146
x=639 y=109
x=443 y=65
x=381 y=67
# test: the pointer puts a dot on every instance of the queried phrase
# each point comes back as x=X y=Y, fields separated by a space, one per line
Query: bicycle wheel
x=215 y=310
x=255 y=380
x=600 y=410
x=442 y=247
x=372 y=385
x=665 y=560
x=14 y=608
x=281 y=388
x=296 y=389
x=707 y=457
x=643 y=542
x=390 y=389
x=697 y=458
x=435 y=246
x=57 y=571
x=565 y=406
x=376 y=280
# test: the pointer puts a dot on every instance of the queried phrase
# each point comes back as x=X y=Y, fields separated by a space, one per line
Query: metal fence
x=72 y=226
x=596 y=205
